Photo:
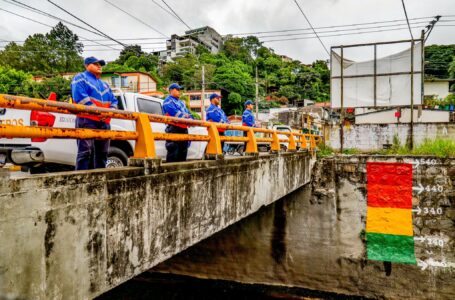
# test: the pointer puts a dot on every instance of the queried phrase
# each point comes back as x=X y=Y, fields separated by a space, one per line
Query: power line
x=335 y=26
x=340 y=30
x=181 y=20
x=170 y=13
x=136 y=18
x=407 y=19
x=332 y=35
x=80 y=20
x=51 y=16
x=325 y=48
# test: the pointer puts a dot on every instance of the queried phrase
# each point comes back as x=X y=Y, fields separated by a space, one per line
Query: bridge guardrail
x=144 y=136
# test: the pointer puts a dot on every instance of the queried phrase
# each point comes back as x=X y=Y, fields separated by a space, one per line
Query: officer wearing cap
x=216 y=114
x=88 y=89
x=173 y=107
x=248 y=117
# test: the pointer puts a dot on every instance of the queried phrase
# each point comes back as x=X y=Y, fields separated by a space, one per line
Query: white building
x=179 y=46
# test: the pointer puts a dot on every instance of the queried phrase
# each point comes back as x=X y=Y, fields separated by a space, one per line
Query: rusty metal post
x=412 y=94
x=375 y=76
x=342 y=101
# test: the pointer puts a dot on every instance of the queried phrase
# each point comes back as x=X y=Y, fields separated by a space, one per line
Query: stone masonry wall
x=76 y=235
x=314 y=238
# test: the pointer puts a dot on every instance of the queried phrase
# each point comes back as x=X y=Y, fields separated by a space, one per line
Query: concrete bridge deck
x=76 y=235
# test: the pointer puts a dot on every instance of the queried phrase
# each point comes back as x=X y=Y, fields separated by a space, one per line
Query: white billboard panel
x=393 y=80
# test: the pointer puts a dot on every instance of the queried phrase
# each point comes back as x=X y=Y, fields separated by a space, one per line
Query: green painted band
x=389 y=247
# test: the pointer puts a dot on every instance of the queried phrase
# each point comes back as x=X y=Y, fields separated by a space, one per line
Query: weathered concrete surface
x=76 y=235
x=367 y=137
x=314 y=238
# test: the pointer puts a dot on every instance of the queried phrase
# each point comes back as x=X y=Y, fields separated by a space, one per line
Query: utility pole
x=203 y=94
x=257 y=95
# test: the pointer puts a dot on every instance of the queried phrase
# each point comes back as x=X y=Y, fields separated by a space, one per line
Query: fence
x=144 y=137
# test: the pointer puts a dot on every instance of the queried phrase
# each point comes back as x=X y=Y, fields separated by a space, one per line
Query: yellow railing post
x=214 y=144
x=303 y=143
x=145 y=143
x=291 y=145
x=251 y=145
x=312 y=142
x=275 y=145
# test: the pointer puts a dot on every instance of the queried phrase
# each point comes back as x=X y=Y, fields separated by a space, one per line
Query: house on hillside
x=195 y=99
x=135 y=82
x=437 y=88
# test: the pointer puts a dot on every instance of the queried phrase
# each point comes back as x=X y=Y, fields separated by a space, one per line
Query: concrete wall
x=388 y=117
x=368 y=137
x=75 y=235
x=315 y=238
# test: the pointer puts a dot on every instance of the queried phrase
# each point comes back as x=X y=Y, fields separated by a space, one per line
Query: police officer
x=172 y=106
x=216 y=114
x=88 y=89
x=248 y=117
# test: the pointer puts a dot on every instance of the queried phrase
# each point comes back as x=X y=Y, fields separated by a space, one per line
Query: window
x=125 y=81
x=115 y=81
x=149 y=106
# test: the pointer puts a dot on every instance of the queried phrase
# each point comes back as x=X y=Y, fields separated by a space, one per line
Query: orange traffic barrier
x=144 y=136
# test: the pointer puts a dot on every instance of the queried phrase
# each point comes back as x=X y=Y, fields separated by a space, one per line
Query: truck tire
x=116 y=158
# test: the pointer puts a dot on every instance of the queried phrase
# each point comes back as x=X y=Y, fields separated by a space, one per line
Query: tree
x=57 y=84
x=15 y=82
x=233 y=105
x=438 y=58
x=55 y=52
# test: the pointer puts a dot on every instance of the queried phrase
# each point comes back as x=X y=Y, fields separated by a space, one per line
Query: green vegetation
x=438 y=58
x=324 y=150
x=438 y=147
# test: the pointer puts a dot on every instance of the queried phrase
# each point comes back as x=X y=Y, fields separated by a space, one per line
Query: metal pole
x=257 y=95
x=375 y=77
x=422 y=68
x=203 y=94
x=342 y=101
x=411 y=141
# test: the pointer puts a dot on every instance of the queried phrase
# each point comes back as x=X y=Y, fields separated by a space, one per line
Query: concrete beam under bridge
x=76 y=235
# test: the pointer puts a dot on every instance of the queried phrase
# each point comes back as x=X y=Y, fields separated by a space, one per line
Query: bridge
x=75 y=235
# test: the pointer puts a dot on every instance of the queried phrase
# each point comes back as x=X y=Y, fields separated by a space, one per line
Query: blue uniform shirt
x=86 y=89
x=216 y=114
x=248 y=118
x=173 y=107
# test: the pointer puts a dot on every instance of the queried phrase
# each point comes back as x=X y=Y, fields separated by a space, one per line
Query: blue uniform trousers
x=91 y=153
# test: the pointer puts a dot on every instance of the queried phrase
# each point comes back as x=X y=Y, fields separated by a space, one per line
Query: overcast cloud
x=233 y=16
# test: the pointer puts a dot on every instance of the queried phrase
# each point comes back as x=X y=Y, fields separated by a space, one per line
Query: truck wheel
x=116 y=158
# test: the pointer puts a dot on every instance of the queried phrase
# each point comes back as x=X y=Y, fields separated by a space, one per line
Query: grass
x=437 y=147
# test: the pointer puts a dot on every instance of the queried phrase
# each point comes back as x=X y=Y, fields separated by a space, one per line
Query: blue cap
x=247 y=102
x=92 y=60
x=214 y=95
x=175 y=86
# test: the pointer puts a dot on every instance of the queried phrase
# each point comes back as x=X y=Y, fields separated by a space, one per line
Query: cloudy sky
x=236 y=17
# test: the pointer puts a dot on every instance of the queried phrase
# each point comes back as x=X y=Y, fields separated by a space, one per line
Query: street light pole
x=203 y=94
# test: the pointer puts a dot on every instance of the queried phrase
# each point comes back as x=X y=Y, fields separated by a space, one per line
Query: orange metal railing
x=144 y=136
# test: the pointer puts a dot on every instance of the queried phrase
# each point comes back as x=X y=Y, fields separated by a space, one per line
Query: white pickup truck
x=43 y=155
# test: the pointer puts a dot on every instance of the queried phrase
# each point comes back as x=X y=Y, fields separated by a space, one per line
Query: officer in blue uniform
x=216 y=114
x=173 y=107
x=248 y=117
x=88 y=89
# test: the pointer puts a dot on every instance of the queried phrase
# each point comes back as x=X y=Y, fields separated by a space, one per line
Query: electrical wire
x=80 y=20
x=407 y=19
x=181 y=20
x=306 y=18
x=170 y=13
x=38 y=22
x=136 y=18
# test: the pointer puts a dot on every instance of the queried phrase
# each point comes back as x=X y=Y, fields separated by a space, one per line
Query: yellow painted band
x=396 y=221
